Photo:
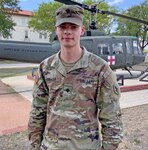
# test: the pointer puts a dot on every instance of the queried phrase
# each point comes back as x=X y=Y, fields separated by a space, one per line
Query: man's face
x=69 y=34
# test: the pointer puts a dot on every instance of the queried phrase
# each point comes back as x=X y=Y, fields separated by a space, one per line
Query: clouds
x=114 y=2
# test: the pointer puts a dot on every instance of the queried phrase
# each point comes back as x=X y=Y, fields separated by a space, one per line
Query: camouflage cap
x=69 y=13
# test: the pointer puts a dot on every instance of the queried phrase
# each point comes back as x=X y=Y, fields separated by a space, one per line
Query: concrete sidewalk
x=128 y=99
x=21 y=85
x=18 y=65
x=14 y=110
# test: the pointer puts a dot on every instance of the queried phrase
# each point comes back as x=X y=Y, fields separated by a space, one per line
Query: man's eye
x=62 y=27
x=73 y=27
x=70 y=27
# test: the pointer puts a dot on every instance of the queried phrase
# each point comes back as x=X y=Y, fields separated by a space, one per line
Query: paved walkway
x=18 y=65
x=24 y=87
x=15 y=108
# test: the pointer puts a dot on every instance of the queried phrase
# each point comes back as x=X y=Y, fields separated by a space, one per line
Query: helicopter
x=118 y=51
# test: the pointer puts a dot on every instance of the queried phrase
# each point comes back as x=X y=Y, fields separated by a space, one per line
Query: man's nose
x=67 y=31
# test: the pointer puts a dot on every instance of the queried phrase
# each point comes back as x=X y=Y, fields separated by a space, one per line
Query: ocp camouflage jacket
x=68 y=106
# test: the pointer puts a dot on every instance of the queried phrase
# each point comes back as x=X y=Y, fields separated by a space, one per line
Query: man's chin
x=68 y=45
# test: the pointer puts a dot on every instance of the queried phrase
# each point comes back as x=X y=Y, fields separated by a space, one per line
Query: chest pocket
x=87 y=87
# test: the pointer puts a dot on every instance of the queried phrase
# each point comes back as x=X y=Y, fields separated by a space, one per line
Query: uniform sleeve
x=37 y=118
x=109 y=110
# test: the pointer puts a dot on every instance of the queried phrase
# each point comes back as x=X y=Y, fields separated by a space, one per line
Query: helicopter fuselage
x=118 y=51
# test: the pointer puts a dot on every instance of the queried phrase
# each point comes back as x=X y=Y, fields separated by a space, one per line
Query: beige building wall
x=23 y=33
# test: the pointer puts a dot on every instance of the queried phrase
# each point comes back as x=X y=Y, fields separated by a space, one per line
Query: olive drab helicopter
x=118 y=51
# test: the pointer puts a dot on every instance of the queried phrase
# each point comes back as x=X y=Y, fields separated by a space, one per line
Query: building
x=22 y=32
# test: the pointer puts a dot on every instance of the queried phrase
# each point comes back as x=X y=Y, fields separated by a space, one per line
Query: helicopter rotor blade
x=126 y=17
x=70 y=2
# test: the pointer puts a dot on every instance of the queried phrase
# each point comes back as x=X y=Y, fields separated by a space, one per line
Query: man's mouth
x=67 y=38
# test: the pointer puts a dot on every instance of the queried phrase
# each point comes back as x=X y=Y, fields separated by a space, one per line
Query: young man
x=76 y=90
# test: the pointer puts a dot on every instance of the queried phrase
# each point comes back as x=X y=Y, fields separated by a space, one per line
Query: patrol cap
x=70 y=14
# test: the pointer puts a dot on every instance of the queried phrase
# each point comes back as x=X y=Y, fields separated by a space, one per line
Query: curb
x=13 y=130
x=133 y=87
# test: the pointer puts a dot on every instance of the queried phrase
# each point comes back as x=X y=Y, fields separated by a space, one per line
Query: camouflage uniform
x=68 y=105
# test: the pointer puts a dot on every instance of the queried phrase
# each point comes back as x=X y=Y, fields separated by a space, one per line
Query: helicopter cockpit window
x=136 y=46
x=128 y=47
x=117 y=48
x=103 y=49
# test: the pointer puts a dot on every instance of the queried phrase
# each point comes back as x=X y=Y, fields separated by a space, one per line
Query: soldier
x=76 y=97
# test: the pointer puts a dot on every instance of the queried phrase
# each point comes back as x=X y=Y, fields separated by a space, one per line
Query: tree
x=104 y=22
x=128 y=27
x=44 y=17
x=7 y=7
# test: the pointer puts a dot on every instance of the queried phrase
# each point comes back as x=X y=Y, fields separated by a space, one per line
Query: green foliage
x=128 y=27
x=7 y=7
x=44 y=18
x=104 y=22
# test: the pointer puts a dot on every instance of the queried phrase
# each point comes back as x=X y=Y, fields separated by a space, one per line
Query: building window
x=45 y=35
x=11 y=33
x=26 y=34
x=40 y=35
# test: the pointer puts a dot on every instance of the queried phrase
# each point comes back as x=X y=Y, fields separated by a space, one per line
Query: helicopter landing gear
x=129 y=71
x=144 y=76
x=120 y=77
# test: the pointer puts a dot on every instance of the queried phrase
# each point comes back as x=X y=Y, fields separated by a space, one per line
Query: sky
x=33 y=5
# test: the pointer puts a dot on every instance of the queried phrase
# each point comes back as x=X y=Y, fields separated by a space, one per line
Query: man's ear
x=82 y=30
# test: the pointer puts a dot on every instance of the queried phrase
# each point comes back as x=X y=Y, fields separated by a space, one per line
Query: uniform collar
x=82 y=63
